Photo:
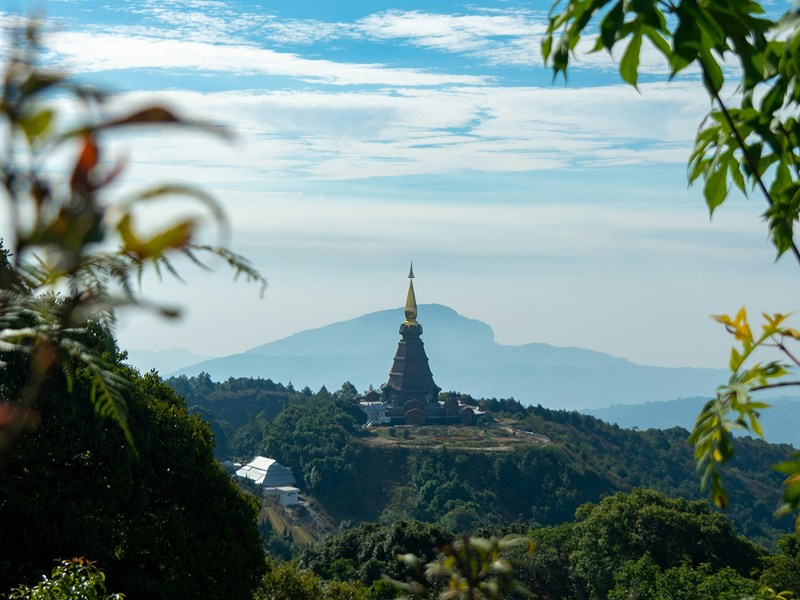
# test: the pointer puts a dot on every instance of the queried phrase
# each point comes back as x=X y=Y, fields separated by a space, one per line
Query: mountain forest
x=604 y=510
x=118 y=484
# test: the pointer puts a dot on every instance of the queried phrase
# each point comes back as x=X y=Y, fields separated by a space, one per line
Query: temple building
x=411 y=395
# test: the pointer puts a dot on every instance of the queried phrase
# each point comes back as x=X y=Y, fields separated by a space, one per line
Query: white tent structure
x=267 y=472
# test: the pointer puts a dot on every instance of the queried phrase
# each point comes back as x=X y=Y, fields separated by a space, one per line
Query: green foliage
x=754 y=145
x=370 y=550
x=233 y=401
x=468 y=568
x=782 y=570
x=347 y=392
x=287 y=581
x=547 y=571
x=312 y=436
x=712 y=437
x=671 y=532
x=382 y=590
x=237 y=410
x=639 y=545
x=645 y=580
x=75 y=579
x=75 y=487
x=281 y=547
x=60 y=273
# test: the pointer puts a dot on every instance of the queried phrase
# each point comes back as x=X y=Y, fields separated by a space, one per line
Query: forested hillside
x=611 y=512
x=150 y=530
x=140 y=507
x=379 y=475
x=641 y=543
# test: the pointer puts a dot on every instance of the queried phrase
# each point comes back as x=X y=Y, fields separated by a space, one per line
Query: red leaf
x=86 y=162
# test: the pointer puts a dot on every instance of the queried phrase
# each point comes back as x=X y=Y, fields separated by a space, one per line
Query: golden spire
x=411 y=300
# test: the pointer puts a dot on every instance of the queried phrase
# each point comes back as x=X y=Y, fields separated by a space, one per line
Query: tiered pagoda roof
x=410 y=377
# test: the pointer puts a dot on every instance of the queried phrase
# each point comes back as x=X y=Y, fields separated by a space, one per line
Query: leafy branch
x=755 y=145
x=72 y=578
x=712 y=434
x=57 y=274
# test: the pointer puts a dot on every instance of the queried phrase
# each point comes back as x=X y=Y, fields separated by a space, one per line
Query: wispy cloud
x=453 y=33
x=512 y=167
x=495 y=37
x=306 y=31
x=504 y=37
x=419 y=131
x=91 y=52
x=212 y=36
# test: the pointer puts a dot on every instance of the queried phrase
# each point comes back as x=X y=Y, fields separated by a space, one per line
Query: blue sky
x=373 y=133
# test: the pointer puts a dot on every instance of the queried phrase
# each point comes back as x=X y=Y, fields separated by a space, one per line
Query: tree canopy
x=162 y=520
x=671 y=532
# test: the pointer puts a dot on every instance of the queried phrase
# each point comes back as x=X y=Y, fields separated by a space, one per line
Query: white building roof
x=266 y=472
x=262 y=462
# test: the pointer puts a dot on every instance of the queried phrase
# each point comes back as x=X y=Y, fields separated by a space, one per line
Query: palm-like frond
x=240 y=265
x=32 y=323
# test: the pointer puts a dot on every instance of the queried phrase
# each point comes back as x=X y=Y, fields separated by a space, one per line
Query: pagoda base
x=430 y=414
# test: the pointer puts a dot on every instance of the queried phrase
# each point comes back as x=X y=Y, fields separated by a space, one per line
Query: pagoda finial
x=411 y=299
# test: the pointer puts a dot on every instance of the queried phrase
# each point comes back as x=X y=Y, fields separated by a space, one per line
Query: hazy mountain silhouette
x=464 y=357
x=779 y=421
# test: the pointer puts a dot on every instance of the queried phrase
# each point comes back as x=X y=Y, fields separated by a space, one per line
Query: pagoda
x=410 y=395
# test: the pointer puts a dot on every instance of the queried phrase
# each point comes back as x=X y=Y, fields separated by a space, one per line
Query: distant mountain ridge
x=779 y=421
x=464 y=356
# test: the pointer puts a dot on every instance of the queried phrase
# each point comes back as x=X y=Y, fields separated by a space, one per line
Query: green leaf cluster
x=734 y=408
x=470 y=568
x=753 y=145
x=75 y=578
x=369 y=551
x=312 y=435
x=671 y=532
x=288 y=581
